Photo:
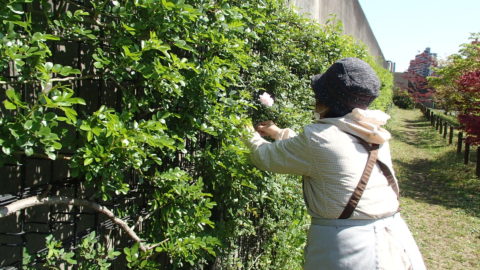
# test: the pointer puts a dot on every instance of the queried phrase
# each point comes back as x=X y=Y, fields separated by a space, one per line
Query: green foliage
x=451 y=119
x=90 y=255
x=402 y=99
x=384 y=101
x=447 y=74
x=189 y=73
x=137 y=259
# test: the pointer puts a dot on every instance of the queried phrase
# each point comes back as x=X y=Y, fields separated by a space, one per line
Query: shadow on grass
x=417 y=123
x=445 y=181
x=419 y=133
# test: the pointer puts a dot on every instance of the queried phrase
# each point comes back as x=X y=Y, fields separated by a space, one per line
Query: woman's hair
x=334 y=114
x=330 y=113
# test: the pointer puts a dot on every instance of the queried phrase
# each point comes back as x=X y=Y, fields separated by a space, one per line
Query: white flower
x=266 y=99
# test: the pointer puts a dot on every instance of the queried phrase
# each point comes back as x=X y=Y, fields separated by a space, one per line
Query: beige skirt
x=346 y=244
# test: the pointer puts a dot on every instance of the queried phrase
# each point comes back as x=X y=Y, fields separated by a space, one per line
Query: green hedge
x=189 y=73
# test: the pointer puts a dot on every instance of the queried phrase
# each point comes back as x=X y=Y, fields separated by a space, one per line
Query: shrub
x=402 y=99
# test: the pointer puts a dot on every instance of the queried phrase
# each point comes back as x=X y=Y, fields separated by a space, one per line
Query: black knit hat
x=349 y=83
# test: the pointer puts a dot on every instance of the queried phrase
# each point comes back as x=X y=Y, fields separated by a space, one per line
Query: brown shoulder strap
x=388 y=174
x=362 y=184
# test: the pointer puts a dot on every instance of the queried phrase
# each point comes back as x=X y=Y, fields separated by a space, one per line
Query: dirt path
x=440 y=196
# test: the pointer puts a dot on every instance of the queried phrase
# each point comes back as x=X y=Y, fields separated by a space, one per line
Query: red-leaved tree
x=469 y=87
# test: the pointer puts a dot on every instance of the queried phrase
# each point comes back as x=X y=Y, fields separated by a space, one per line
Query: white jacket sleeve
x=289 y=154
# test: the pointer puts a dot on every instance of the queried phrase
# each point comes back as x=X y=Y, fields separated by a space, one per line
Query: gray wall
x=350 y=13
x=400 y=81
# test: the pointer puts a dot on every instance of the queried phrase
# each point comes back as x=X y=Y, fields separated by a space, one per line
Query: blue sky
x=404 y=28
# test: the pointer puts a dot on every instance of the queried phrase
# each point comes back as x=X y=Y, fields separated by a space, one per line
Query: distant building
x=423 y=63
x=416 y=76
x=390 y=66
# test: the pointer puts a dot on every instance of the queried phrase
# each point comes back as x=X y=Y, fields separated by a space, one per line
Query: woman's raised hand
x=267 y=128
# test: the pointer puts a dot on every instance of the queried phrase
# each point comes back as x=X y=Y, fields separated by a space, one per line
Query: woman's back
x=338 y=160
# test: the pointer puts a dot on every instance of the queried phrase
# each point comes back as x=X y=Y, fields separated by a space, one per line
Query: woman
x=355 y=225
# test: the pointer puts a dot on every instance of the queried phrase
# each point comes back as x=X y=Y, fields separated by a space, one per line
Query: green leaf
x=85 y=126
x=12 y=95
x=182 y=44
x=70 y=113
x=168 y=5
x=6 y=150
x=80 y=12
x=57 y=145
x=48 y=66
x=28 y=151
x=44 y=131
x=24 y=25
x=51 y=155
x=126 y=250
x=28 y=124
x=16 y=11
x=51 y=37
x=14 y=98
x=77 y=100
x=50 y=116
x=89 y=136
x=87 y=161
x=133 y=55
x=248 y=184
x=97 y=131
x=68 y=70
x=129 y=29
x=56 y=68
x=9 y=105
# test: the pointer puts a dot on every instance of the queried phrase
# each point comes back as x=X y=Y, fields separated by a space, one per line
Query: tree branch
x=64 y=79
x=44 y=156
x=53 y=200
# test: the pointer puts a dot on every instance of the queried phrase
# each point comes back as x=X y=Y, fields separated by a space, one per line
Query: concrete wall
x=400 y=81
x=350 y=13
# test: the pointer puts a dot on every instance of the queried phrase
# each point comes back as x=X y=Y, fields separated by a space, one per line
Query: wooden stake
x=466 y=157
x=450 y=139
x=459 y=142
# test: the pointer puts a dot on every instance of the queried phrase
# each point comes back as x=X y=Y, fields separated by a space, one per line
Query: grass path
x=440 y=196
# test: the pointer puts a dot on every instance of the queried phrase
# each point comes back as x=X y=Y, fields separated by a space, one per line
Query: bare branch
x=53 y=200
x=158 y=244
x=141 y=219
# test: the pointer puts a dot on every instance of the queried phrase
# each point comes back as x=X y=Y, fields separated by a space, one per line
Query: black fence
x=26 y=231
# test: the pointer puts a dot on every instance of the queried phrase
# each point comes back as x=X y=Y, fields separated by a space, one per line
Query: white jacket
x=332 y=163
